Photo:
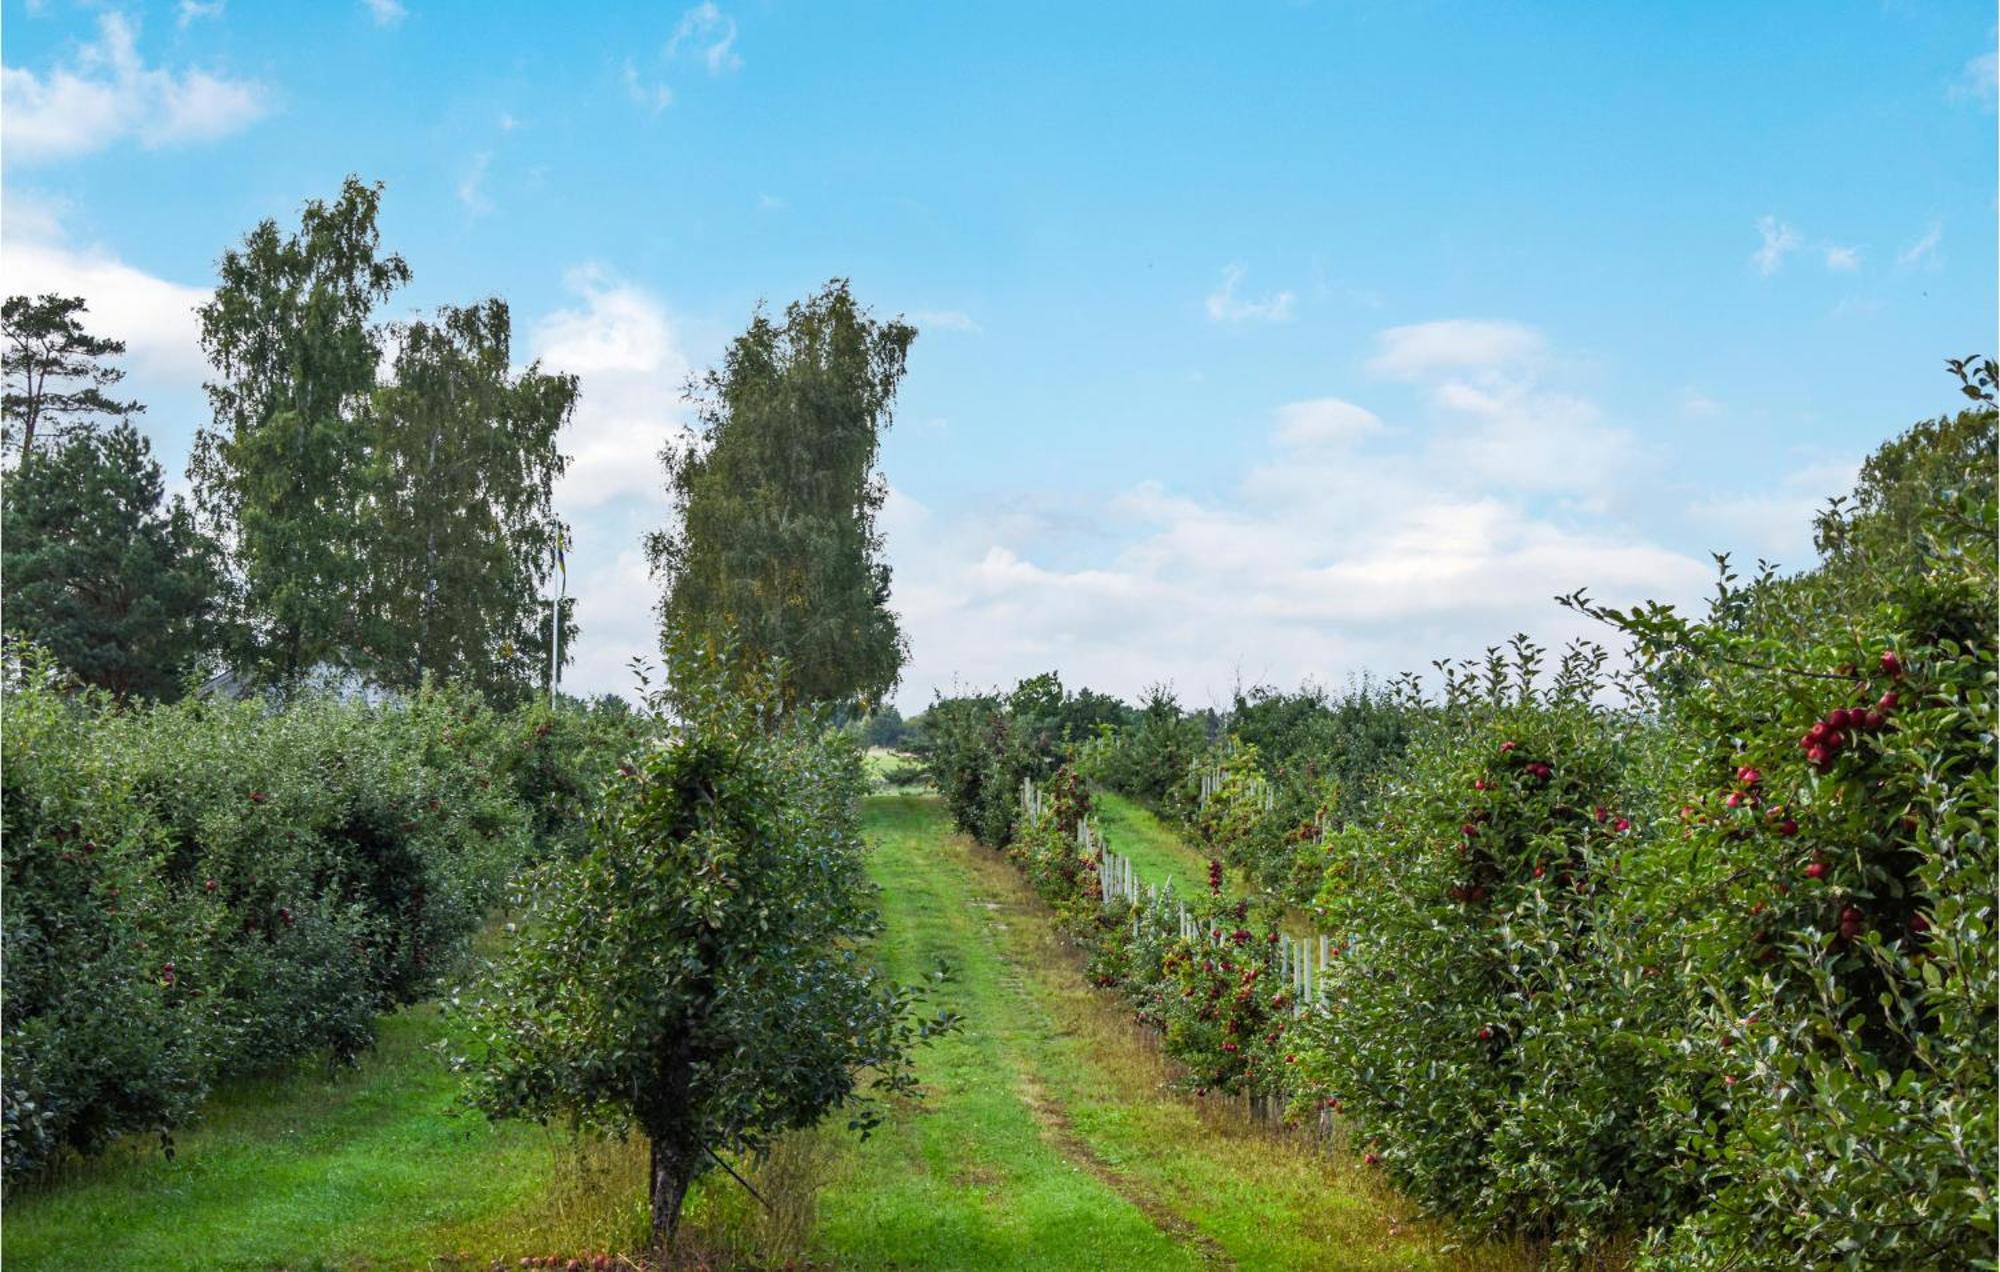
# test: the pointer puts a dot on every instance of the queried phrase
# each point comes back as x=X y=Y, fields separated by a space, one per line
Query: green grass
x=1049 y=1137
x=372 y=1167
x=1157 y=853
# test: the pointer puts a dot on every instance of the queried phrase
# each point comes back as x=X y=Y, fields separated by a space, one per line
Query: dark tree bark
x=676 y=1139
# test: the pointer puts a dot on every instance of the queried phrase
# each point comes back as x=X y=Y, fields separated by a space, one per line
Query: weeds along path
x=1050 y=1137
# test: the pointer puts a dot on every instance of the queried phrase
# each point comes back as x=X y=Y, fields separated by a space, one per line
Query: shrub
x=1835 y=768
x=209 y=888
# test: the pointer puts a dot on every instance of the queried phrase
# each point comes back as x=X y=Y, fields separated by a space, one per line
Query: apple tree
x=702 y=974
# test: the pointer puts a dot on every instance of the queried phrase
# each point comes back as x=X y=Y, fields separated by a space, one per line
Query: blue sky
x=1259 y=341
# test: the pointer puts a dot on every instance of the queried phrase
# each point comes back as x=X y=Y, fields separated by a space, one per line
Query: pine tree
x=56 y=371
x=124 y=592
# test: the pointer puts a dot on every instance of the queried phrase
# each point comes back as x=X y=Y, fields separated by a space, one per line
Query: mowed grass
x=373 y=1167
x=1157 y=853
x=1050 y=1137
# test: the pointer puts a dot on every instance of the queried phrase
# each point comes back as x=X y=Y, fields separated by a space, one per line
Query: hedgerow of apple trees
x=1833 y=890
x=213 y=888
x=1708 y=964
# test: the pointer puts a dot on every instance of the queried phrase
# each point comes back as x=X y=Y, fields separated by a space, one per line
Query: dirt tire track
x=1056 y=1129
x=1006 y=904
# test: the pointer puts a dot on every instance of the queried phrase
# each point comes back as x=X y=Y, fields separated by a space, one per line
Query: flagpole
x=555 y=616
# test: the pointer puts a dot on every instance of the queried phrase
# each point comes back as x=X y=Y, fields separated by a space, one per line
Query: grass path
x=1157 y=853
x=371 y=1168
x=1050 y=1138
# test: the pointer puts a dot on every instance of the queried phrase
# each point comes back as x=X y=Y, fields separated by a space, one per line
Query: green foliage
x=978 y=749
x=207 y=889
x=56 y=374
x=558 y=760
x=775 y=560
x=886 y=728
x=1834 y=762
x=1151 y=755
x=699 y=973
x=283 y=469
x=461 y=535
x=1491 y=1033
x=125 y=594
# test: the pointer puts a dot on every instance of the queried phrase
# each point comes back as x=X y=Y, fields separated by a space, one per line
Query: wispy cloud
x=189 y=11
x=708 y=33
x=1224 y=305
x=385 y=12
x=1454 y=344
x=1779 y=241
x=1324 y=424
x=1923 y=252
x=652 y=96
x=944 y=320
x=108 y=94
x=472 y=185
x=1979 y=81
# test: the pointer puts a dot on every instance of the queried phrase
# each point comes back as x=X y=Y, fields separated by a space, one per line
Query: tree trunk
x=674 y=1168
x=675 y=1134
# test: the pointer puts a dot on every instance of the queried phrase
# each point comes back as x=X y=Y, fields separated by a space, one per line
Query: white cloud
x=1776 y=522
x=652 y=96
x=154 y=317
x=1323 y=558
x=1923 y=252
x=107 y=94
x=1844 y=259
x=1454 y=345
x=614 y=612
x=1779 y=241
x=1695 y=402
x=944 y=320
x=189 y=11
x=705 y=31
x=472 y=185
x=1324 y=423
x=620 y=341
x=385 y=12
x=1224 y=305
x=1344 y=567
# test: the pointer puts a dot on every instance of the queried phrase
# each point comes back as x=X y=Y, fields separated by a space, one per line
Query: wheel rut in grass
x=1056 y=1128
x=1010 y=914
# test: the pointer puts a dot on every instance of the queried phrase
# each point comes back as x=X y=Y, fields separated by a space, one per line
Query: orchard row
x=1695 y=959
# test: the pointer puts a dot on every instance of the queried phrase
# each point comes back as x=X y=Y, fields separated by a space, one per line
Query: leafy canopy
x=776 y=558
